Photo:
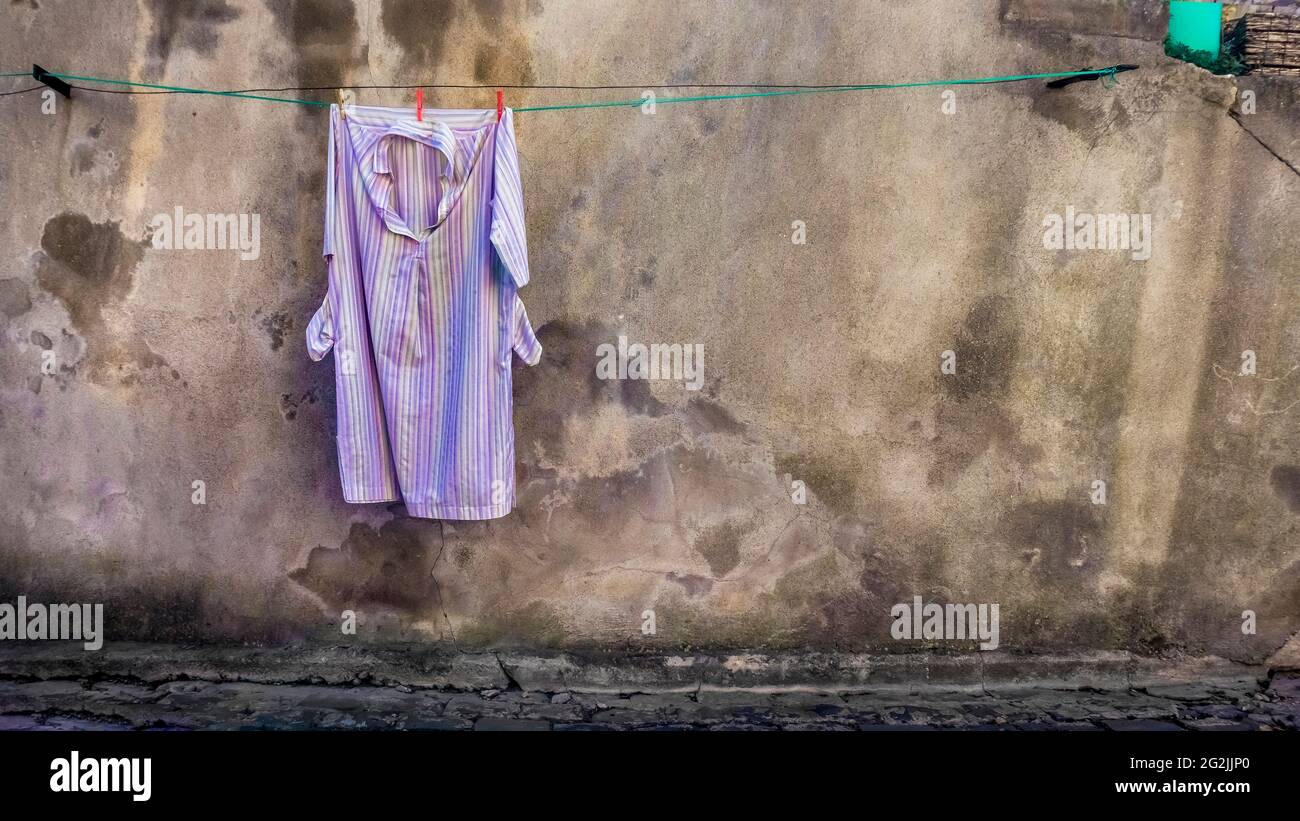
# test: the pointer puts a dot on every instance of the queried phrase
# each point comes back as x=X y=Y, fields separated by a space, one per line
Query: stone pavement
x=142 y=687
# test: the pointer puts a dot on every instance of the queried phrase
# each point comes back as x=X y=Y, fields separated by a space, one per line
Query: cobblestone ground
x=53 y=704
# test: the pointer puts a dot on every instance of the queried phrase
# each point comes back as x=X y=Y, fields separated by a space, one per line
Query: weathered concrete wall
x=924 y=234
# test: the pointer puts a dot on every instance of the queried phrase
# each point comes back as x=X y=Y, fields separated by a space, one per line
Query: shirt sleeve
x=328 y=248
x=320 y=331
x=508 y=236
x=524 y=341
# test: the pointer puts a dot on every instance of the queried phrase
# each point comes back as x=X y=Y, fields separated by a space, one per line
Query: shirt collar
x=368 y=135
x=435 y=135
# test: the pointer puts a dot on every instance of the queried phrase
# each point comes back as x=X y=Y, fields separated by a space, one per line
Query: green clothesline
x=1108 y=72
x=1011 y=78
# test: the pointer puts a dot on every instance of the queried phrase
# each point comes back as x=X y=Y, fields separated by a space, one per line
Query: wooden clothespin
x=343 y=110
x=500 y=104
x=419 y=104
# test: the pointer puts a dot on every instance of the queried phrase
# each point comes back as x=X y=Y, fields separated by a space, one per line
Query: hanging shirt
x=425 y=246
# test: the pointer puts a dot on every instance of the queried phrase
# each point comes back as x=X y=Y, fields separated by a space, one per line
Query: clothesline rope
x=1105 y=72
x=1108 y=72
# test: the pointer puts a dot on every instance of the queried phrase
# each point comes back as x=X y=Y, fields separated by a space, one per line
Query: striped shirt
x=425 y=246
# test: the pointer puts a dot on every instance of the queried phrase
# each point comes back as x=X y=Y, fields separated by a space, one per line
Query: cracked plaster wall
x=821 y=365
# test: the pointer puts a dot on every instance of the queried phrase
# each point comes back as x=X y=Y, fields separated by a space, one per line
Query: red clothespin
x=419 y=104
x=500 y=104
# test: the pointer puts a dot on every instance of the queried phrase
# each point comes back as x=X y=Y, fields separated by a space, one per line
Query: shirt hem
x=420 y=511
x=462 y=513
x=369 y=500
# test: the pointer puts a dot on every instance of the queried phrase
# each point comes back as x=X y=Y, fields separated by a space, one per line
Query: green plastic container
x=1196 y=25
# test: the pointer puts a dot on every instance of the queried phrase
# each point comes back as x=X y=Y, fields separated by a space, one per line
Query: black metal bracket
x=42 y=76
x=1092 y=75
